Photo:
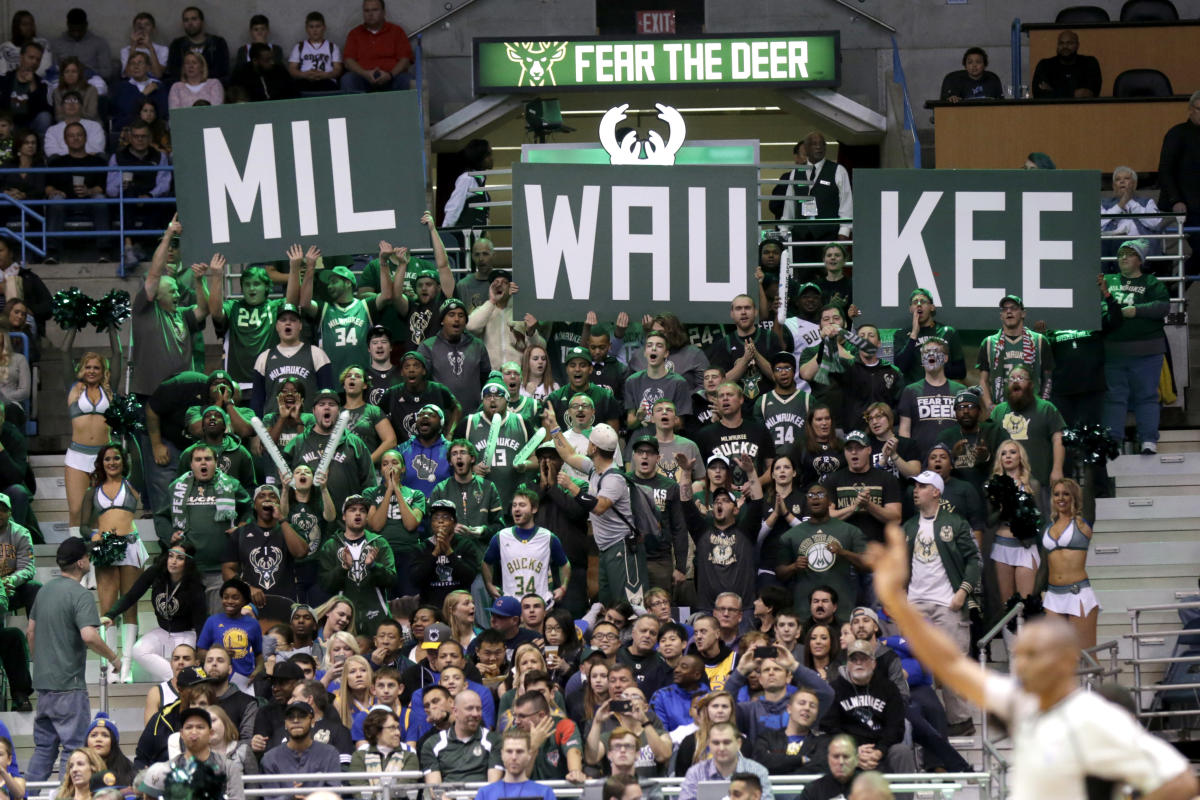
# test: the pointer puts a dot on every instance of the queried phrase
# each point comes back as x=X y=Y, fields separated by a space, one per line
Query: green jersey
x=512 y=433
x=477 y=501
x=248 y=330
x=366 y=585
x=363 y=421
x=400 y=538
x=343 y=331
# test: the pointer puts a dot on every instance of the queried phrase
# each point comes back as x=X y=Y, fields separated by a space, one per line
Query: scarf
x=828 y=360
x=223 y=486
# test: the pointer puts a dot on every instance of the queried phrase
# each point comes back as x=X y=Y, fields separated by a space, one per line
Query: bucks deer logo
x=652 y=149
x=537 y=60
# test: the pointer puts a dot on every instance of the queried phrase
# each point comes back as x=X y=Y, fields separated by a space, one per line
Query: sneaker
x=1149 y=448
x=21 y=704
x=131 y=258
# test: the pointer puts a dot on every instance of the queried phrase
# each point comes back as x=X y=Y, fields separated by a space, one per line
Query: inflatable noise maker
x=73 y=311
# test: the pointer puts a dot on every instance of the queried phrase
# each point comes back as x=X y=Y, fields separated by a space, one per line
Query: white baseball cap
x=604 y=437
x=931 y=478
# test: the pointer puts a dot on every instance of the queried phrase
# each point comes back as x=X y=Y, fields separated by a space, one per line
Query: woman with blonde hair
x=15 y=386
x=87 y=400
x=335 y=614
x=194 y=85
x=82 y=764
x=1066 y=540
x=354 y=695
x=338 y=649
x=225 y=741
x=526 y=658
x=707 y=710
x=458 y=609
x=1016 y=562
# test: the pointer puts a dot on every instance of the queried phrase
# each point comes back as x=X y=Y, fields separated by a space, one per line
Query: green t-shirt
x=363 y=421
x=811 y=539
x=400 y=538
x=62 y=608
x=248 y=330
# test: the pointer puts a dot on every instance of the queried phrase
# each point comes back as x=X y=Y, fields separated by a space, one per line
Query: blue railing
x=28 y=238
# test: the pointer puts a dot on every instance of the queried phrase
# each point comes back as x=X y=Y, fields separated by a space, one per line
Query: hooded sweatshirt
x=16 y=555
x=872 y=714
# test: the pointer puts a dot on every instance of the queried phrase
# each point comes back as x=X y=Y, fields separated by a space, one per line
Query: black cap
x=195 y=711
x=103 y=780
x=724 y=491
x=287 y=308
x=287 y=671
x=71 y=550
x=327 y=394
x=784 y=357
x=645 y=441
x=449 y=305
x=378 y=330
x=1012 y=298
x=298 y=707
x=499 y=273
x=193 y=676
x=445 y=506
x=77 y=16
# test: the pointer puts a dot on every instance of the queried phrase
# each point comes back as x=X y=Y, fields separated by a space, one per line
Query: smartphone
x=766 y=651
x=620 y=706
x=175 y=242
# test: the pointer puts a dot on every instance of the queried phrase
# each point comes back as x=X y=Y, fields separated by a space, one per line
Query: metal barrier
x=990 y=753
x=387 y=786
x=1138 y=637
x=29 y=208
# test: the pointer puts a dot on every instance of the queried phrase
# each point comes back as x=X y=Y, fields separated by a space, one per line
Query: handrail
x=989 y=752
x=986 y=639
x=439 y=20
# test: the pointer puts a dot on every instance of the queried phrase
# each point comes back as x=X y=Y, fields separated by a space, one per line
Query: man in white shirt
x=1062 y=735
x=55 y=143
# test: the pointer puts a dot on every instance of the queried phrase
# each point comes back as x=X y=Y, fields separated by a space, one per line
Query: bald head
x=468 y=713
x=1045 y=657
x=870 y=786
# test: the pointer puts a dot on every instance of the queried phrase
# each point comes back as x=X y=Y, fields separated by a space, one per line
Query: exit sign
x=652 y=22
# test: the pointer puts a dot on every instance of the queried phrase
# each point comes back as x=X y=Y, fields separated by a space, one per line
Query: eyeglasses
x=605 y=637
x=728 y=610
x=815 y=495
x=395 y=726
x=614 y=746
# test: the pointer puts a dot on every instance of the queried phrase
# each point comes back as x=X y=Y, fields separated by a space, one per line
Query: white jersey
x=525 y=565
x=805 y=334
x=320 y=57
x=1082 y=736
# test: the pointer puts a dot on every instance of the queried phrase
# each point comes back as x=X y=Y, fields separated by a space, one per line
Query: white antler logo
x=652 y=149
x=537 y=60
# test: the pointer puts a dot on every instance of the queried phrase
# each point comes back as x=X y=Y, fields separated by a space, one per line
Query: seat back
x=1142 y=83
x=1076 y=15
x=1149 y=11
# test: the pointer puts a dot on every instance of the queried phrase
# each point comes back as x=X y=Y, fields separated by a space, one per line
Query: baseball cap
x=435 y=408
x=355 y=500
x=415 y=356
x=857 y=437
x=724 y=491
x=298 y=707
x=645 y=441
x=865 y=611
x=287 y=308
x=931 y=478
x=5 y=500
x=102 y=781
x=500 y=273
x=1012 y=298
x=547 y=446
x=505 y=607
x=287 y=671
x=860 y=647
x=152 y=781
x=578 y=352
x=1138 y=246
x=784 y=357
x=266 y=487
x=193 y=676
x=941 y=446
x=70 y=550
x=446 y=506
x=378 y=330
x=344 y=272
x=449 y=306
x=717 y=457
x=604 y=437
x=435 y=634
x=327 y=394
x=808 y=287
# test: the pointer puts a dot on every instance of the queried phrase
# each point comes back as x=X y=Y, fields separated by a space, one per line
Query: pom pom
x=1017 y=507
x=111 y=310
x=109 y=550
x=124 y=415
x=195 y=781
x=71 y=308
x=1091 y=444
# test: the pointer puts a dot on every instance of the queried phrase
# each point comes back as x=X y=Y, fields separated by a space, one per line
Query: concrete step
x=1147 y=508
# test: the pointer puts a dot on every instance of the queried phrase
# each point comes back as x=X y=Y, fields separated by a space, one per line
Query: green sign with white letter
x=639 y=239
x=339 y=172
x=973 y=236
x=809 y=59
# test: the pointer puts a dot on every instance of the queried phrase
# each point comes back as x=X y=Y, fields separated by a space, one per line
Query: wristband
x=556 y=432
x=586 y=500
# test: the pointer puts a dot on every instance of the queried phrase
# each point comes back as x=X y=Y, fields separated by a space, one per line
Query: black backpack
x=646 y=521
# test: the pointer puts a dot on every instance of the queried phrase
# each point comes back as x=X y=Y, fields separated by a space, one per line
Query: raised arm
x=307 y=305
x=445 y=276
x=158 y=263
x=216 y=295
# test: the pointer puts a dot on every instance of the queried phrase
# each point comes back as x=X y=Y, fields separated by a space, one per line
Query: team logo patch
x=946 y=533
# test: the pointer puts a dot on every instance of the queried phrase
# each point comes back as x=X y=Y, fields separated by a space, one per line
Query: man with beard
x=425 y=455
x=959 y=496
x=1011 y=346
x=473 y=287
x=498 y=435
x=868 y=706
x=241 y=707
x=820 y=551
x=973 y=441
x=1066 y=73
x=867 y=379
x=403 y=400
x=232 y=458
x=291 y=358
x=927 y=406
x=201 y=506
x=666 y=553
x=504 y=336
x=785 y=408
x=478 y=507
x=359 y=565
x=579 y=381
x=726 y=545
x=457 y=358
x=1035 y=423
x=908 y=343
x=268 y=722
x=742 y=352
x=450 y=561
x=733 y=435
x=301 y=754
x=580 y=419
x=656 y=382
x=351 y=468
x=262 y=553
x=867 y=497
x=381 y=375
x=527 y=556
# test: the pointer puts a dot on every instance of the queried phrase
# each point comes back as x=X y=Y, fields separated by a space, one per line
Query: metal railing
x=990 y=753
x=1146 y=694
x=29 y=208
x=390 y=785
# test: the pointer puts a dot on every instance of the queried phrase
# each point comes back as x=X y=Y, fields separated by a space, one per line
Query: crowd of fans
x=403 y=528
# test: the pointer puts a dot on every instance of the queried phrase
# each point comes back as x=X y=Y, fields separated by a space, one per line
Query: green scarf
x=223 y=487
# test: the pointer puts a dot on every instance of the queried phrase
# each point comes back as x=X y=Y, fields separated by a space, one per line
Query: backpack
x=645 y=520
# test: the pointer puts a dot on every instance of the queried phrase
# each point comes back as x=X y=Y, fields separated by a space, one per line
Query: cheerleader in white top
x=1066 y=540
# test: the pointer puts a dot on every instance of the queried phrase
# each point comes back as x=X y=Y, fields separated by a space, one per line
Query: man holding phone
x=779 y=674
x=627 y=709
